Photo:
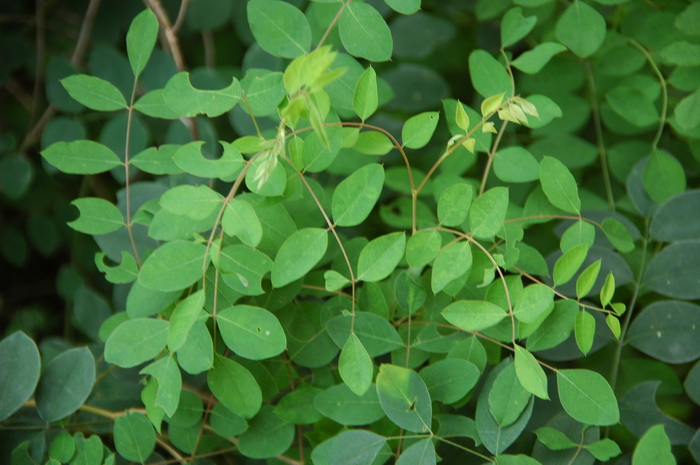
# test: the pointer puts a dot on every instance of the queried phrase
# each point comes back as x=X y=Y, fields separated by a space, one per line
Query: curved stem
x=491 y=154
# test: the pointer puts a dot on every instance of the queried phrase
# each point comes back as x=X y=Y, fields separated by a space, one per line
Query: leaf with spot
x=251 y=332
x=404 y=398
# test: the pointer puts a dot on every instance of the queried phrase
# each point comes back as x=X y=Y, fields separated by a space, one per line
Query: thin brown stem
x=492 y=153
x=332 y=24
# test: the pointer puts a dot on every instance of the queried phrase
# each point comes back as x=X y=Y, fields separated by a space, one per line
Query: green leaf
x=532 y=61
x=66 y=383
x=297 y=406
x=515 y=26
x=19 y=372
x=507 y=398
x=355 y=196
x=454 y=204
x=95 y=93
x=559 y=185
x=587 y=397
x=240 y=220
x=666 y=330
x=654 y=448
x=488 y=75
x=674 y=271
x=227 y=167
x=453 y=262
x=587 y=279
x=343 y=406
x=554 y=439
x=173 y=266
x=515 y=164
x=185 y=100
x=81 y=157
x=556 y=328
x=299 y=253
x=530 y=373
x=604 y=450
x=235 y=387
x=534 y=301
x=450 y=379
x=520 y=459
x=676 y=219
x=608 y=289
x=62 y=447
x=183 y=318
x=195 y=202
x=461 y=118
x=569 y=263
x=251 y=332
x=381 y=256
x=581 y=232
x=153 y=104
x=584 y=331
x=88 y=451
x=364 y=33
x=279 y=28
x=134 y=437
x=197 y=354
x=335 y=281
x=581 y=28
x=419 y=453
x=169 y=383
x=405 y=7
x=422 y=248
x=243 y=268
x=267 y=436
x=664 y=177
x=355 y=447
x=687 y=112
x=488 y=212
x=418 y=129
x=142 y=301
x=404 y=398
x=136 y=341
x=546 y=110
x=16 y=175
x=355 y=366
x=377 y=335
x=157 y=160
x=473 y=315
x=365 y=99
x=140 y=40
x=633 y=106
x=97 y=216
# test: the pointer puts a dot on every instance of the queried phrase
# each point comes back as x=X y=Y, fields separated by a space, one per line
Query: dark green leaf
x=134 y=437
x=343 y=406
x=66 y=383
x=674 y=271
x=355 y=447
x=19 y=371
x=633 y=106
x=677 y=218
x=267 y=436
x=420 y=453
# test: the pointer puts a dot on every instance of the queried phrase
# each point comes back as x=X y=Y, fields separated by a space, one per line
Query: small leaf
x=569 y=263
x=364 y=33
x=97 y=216
x=418 y=129
x=515 y=164
x=355 y=446
x=365 y=100
x=81 y=157
x=507 y=398
x=614 y=325
x=633 y=106
x=134 y=437
x=240 y=220
x=183 y=319
x=355 y=196
x=235 y=387
x=335 y=281
x=95 y=93
x=422 y=248
x=195 y=202
x=607 y=291
x=419 y=453
x=488 y=212
x=251 y=332
x=587 y=397
x=581 y=28
x=174 y=266
x=664 y=177
x=404 y=398
x=299 y=253
x=491 y=104
x=534 y=301
x=453 y=262
x=140 y=40
x=461 y=117
x=280 y=28
x=584 y=331
x=554 y=439
x=20 y=365
x=380 y=257
x=581 y=232
x=405 y=7
x=654 y=448
x=532 y=61
x=604 y=450
x=473 y=315
x=355 y=366
x=169 y=383
x=587 y=279
x=136 y=341
x=530 y=373
x=66 y=382
x=687 y=111
x=559 y=185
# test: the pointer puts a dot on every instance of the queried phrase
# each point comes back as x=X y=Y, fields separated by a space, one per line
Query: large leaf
x=581 y=28
x=298 y=255
x=173 y=266
x=235 y=387
x=453 y=262
x=251 y=332
x=654 y=448
x=66 y=383
x=279 y=28
x=81 y=157
x=355 y=197
x=134 y=437
x=136 y=341
x=380 y=257
x=488 y=213
x=489 y=77
x=19 y=372
x=559 y=185
x=587 y=397
x=674 y=271
x=668 y=331
x=364 y=33
x=404 y=398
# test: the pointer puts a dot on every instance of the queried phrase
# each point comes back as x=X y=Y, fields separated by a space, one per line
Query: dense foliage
x=350 y=232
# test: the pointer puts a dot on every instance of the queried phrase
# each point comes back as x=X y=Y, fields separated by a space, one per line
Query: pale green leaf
x=81 y=157
x=279 y=28
x=515 y=164
x=569 y=263
x=355 y=196
x=581 y=28
x=454 y=204
x=584 y=331
x=185 y=100
x=473 y=315
x=136 y=341
x=604 y=450
x=405 y=7
x=195 y=202
x=530 y=373
x=240 y=220
x=366 y=98
x=453 y=262
x=422 y=248
x=381 y=256
x=587 y=278
x=169 y=383
x=418 y=129
x=174 y=266
x=532 y=61
x=515 y=26
x=654 y=448
x=488 y=75
x=664 y=177
x=559 y=185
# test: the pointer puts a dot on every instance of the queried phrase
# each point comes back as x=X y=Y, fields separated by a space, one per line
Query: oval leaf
x=66 y=383
x=19 y=372
x=136 y=341
x=251 y=332
x=587 y=397
x=299 y=253
x=97 y=216
x=355 y=197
